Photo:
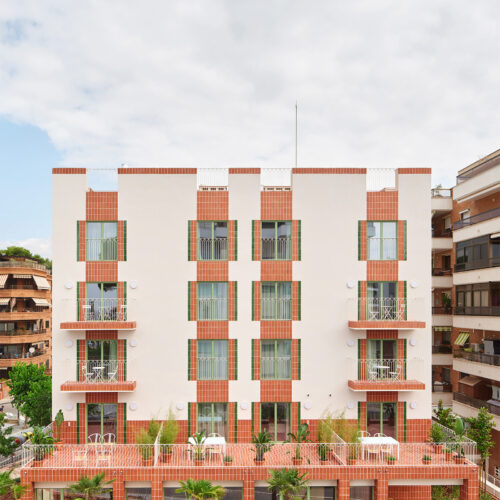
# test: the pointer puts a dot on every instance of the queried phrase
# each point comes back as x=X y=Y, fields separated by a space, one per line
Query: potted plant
x=426 y=459
x=44 y=445
x=323 y=449
x=59 y=420
x=436 y=437
x=167 y=437
x=145 y=443
x=459 y=429
x=352 y=437
x=199 y=440
x=449 y=453
x=287 y=484
x=352 y=453
x=302 y=436
x=263 y=443
x=228 y=460
x=391 y=460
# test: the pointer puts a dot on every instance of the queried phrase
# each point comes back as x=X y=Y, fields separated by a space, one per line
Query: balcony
x=22 y=336
x=10 y=359
x=24 y=264
x=100 y=376
x=182 y=456
x=100 y=314
x=467 y=406
x=442 y=278
x=442 y=242
x=23 y=313
x=212 y=308
x=385 y=375
x=477 y=311
x=383 y=314
x=441 y=349
x=489 y=214
x=438 y=271
x=276 y=308
x=276 y=248
x=441 y=201
x=476 y=363
x=441 y=310
x=477 y=264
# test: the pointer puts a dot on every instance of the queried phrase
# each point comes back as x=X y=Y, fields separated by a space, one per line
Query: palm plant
x=263 y=443
x=201 y=489
x=90 y=488
x=288 y=483
x=302 y=436
x=199 y=441
x=10 y=485
x=43 y=441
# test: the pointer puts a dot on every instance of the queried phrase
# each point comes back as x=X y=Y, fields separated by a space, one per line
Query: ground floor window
x=312 y=493
x=361 y=492
x=232 y=493
x=275 y=418
x=66 y=494
x=212 y=418
x=381 y=417
x=138 y=493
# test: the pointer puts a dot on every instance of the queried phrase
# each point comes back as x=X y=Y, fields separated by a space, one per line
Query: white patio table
x=382 y=441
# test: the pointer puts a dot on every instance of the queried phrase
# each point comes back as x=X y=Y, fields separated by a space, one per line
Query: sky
x=379 y=83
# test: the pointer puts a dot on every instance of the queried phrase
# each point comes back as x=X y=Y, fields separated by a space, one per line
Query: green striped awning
x=442 y=328
x=462 y=338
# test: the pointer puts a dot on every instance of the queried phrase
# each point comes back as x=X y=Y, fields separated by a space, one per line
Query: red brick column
x=469 y=489
x=118 y=489
x=381 y=489
x=157 y=489
x=248 y=489
x=343 y=488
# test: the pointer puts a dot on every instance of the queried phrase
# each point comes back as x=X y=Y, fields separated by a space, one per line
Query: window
x=361 y=493
x=102 y=304
x=212 y=301
x=276 y=300
x=276 y=240
x=275 y=419
x=275 y=359
x=495 y=392
x=212 y=418
x=446 y=262
x=101 y=363
x=465 y=214
x=310 y=493
x=66 y=494
x=382 y=362
x=381 y=417
x=445 y=374
x=382 y=241
x=212 y=240
x=478 y=299
x=212 y=360
x=101 y=418
x=102 y=241
x=138 y=493
x=382 y=301
x=472 y=254
x=447 y=222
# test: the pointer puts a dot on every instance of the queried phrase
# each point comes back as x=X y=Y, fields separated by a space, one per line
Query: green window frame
x=277 y=247
x=381 y=415
x=275 y=409
x=211 y=413
x=102 y=248
x=212 y=300
x=276 y=300
x=213 y=247
x=278 y=366
x=102 y=414
x=381 y=247
x=214 y=366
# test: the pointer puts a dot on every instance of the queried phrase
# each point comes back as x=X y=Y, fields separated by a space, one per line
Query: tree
x=444 y=415
x=288 y=483
x=14 y=251
x=10 y=485
x=31 y=392
x=480 y=431
x=201 y=489
x=90 y=488
x=7 y=442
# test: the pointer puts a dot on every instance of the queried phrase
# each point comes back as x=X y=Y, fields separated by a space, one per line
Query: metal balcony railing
x=478 y=357
x=470 y=221
x=26 y=355
x=334 y=454
x=276 y=368
x=19 y=287
x=441 y=349
x=90 y=309
x=441 y=233
x=212 y=308
x=276 y=308
x=438 y=271
x=212 y=368
x=477 y=264
x=477 y=310
x=101 y=249
x=212 y=248
x=97 y=371
x=14 y=333
x=383 y=309
x=475 y=403
x=442 y=387
x=441 y=309
x=386 y=370
x=441 y=193
x=18 y=263
x=276 y=248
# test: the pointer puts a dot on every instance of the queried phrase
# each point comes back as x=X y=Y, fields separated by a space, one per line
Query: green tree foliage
x=445 y=492
x=288 y=483
x=31 y=392
x=7 y=442
x=90 y=488
x=9 y=485
x=444 y=415
x=14 y=251
x=200 y=490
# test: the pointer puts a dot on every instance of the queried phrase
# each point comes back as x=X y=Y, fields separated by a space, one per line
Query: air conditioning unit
x=475 y=347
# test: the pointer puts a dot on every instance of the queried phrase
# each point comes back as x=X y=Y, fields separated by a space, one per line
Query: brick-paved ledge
x=126 y=386
x=386 y=325
x=98 y=325
x=386 y=385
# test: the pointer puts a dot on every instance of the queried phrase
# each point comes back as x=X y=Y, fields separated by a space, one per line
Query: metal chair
x=80 y=457
x=364 y=434
x=108 y=438
x=94 y=438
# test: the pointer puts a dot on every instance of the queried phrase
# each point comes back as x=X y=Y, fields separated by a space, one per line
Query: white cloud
x=379 y=83
x=38 y=246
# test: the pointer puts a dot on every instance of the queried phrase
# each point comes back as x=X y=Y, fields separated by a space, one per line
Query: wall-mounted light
x=133 y=285
x=133 y=406
x=68 y=343
x=68 y=285
x=180 y=405
x=307 y=405
x=133 y=343
x=350 y=405
x=413 y=284
x=69 y=406
x=244 y=405
x=350 y=343
x=350 y=284
x=413 y=342
x=413 y=405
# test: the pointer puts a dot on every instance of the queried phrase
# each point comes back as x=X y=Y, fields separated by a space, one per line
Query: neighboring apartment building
x=25 y=314
x=244 y=300
x=474 y=221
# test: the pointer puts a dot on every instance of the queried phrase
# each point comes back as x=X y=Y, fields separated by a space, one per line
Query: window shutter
x=77 y=423
x=359 y=357
x=253 y=240
x=189 y=301
x=124 y=360
x=235 y=240
x=78 y=361
x=300 y=239
x=299 y=298
x=253 y=420
x=253 y=359
x=124 y=423
x=235 y=422
x=78 y=301
x=124 y=240
x=78 y=240
x=404 y=421
x=253 y=300
x=189 y=419
x=189 y=240
x=235 y=312
x=235 y=359
x=406 y=302
x=189 y=359
x=404 y=354
x=299 y=355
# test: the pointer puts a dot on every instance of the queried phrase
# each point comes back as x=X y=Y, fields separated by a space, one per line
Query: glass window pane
x=93 y=230
x=389 y=419
x=283 y=368
x=93 y=419
x=268 y=229
x=361 y=493
x=204 y=229
x=220 y=229
x=138 y=493
x=284 y=229
x=204 y=418
x=220 y=360
x=267 y=418
x=389 y=230
x=282 y=421
x=109 y=419
x=373 y=418
x=220 y=419
x=267 y=350
x=268 y=241
x=373 y=237
x=109 y=290
x=93 y=350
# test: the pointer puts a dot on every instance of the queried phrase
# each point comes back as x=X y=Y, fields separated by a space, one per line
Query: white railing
x=383 y=309
x=382 y=369
x=212 y=368
x=90 y=309
x=19 y=263
x=211 y=308
x=73 y=456
x=276 y=309
x=279 y=367
x=96 y=371
x=276 y=248
x=102 y=249
x=442 y=192
x=212 y=249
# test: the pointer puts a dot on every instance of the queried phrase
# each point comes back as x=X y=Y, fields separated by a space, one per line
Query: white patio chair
x=79 y=457
x=94 y=439
x=112 y=375
x=108 y=438
x=364 y=434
